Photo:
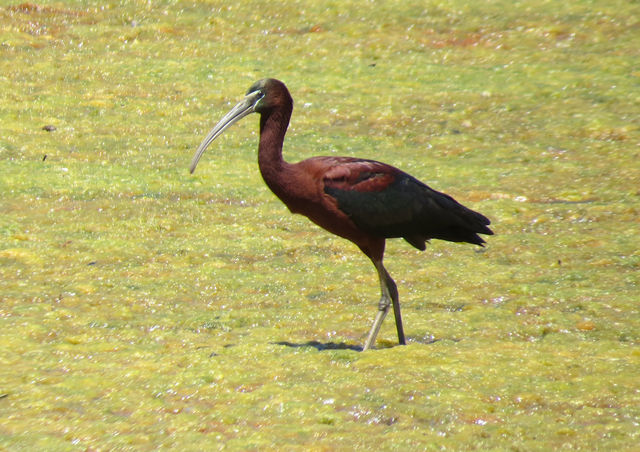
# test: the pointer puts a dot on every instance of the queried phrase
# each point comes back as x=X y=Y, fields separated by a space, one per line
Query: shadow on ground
x=322 y=345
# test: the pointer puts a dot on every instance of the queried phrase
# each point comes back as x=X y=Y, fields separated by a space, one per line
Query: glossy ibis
x=361 y=200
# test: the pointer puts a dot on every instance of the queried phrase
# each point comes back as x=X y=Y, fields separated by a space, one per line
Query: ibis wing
x=385 y=201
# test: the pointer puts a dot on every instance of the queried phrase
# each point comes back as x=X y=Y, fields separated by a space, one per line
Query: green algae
x=145 y=308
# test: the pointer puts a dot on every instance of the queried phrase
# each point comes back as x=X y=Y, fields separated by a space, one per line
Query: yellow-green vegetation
x=144 y=308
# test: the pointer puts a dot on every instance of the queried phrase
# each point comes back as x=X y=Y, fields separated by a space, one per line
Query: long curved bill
x=242 y=109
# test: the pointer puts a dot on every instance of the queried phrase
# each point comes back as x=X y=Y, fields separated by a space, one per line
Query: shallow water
x=142 y=307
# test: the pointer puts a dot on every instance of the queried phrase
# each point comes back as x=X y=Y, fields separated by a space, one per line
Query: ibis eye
x=258 y=101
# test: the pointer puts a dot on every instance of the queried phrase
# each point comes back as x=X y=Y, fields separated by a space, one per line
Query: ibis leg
x=389 y=297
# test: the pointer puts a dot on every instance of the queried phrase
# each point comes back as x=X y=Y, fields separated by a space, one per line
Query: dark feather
x=385 y=201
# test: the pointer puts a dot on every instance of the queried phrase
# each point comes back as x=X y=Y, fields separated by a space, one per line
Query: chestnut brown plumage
x=361 y=200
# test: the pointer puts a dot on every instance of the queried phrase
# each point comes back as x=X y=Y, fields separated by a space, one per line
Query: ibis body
x=362 y=200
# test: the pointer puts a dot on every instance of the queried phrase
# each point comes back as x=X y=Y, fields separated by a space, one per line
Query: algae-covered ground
x=145 y=308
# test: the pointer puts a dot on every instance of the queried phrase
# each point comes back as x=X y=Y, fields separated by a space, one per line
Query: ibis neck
x=273 y=127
